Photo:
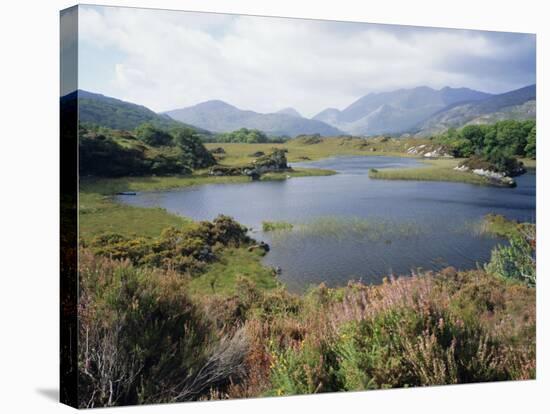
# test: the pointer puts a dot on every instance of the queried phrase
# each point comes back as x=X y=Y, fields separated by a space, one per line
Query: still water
x=347 y=226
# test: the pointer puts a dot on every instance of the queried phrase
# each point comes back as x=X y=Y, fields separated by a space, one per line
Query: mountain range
x=219 y=116
x=396 y=111
x=420 y=111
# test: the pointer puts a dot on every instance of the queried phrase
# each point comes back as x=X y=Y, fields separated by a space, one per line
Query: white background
x=29 y=174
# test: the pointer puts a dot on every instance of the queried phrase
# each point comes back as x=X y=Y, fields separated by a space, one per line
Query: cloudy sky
x=170 y=59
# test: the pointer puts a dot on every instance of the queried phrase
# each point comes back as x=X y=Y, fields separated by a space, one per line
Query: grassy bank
x=435 y=170
x=99 y=213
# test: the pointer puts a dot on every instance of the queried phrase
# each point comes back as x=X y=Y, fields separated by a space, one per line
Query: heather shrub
x=142 y=332
x=446 y=328
x=143 y=340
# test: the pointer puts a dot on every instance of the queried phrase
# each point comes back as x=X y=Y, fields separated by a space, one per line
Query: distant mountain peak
x=219 y=116
x=517 y=104
x=215 y=104
x=289 y=111
x=395 y=111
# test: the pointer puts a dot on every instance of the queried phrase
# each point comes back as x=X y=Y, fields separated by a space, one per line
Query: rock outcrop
x=274 y=162
x=484 y=168
x=430 y=151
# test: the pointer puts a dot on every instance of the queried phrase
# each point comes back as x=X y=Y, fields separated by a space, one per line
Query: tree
x=243 y=135
x=193 y=150
x=511 y=137
x=531 y=146
x=475 y=135
x=153 y=136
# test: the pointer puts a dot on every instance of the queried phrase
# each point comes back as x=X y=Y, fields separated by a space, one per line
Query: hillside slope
x=395 y=111
x=114 y=113
x=519 y=104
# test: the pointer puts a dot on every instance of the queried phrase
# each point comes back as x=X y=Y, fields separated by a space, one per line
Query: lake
x=348 y=226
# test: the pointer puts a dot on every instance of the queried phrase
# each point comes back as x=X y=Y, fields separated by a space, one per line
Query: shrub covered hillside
x=147 y=337
x=145 y=151
x=186 y=250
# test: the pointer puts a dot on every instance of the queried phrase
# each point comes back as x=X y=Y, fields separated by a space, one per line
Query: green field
x=99 y=213
x=299 y=150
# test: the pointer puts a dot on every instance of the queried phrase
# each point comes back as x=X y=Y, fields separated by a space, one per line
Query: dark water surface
x=348 y=226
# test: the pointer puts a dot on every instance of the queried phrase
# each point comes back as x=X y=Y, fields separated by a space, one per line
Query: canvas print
x=263 y=206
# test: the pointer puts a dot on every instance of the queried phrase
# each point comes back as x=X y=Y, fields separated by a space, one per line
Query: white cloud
x=167 y=59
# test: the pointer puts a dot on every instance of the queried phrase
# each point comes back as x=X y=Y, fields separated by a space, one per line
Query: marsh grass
x=496 y=225
x=359 y=229
x=435 y=170
x=296 y=172
x=276 y=226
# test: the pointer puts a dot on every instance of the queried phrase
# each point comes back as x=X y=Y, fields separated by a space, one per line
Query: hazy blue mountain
x=518 y=104
x=329 y=115
x=219 y=116
x=117 y=114
x=395 y=111
x=290 y=111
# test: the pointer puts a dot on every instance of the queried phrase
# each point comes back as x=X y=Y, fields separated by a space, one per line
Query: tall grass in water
x=276 y=226
x=356 y=228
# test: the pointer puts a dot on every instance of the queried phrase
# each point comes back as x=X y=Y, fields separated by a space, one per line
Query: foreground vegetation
x=145 y=338
x=174 y=310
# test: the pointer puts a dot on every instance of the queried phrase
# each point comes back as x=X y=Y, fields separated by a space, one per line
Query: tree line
x=497 y=143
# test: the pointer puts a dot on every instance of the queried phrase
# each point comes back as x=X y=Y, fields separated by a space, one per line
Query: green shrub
x=186 y=250
x=153 y=136
x=243 y=135
x=517 y=261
